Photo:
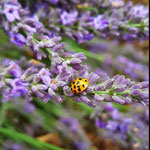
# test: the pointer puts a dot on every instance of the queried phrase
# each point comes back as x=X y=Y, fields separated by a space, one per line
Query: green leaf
x=3 y=110
x=49 y=107
x=4 y=38
x=122 y=108
x=87 y=8
x=17 y=136
x=73 y=46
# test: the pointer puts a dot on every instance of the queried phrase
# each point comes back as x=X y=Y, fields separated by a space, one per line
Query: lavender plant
x=41 y=79
x=54 y=84
x=122 y=21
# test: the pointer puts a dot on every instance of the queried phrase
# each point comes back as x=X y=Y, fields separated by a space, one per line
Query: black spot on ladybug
x=78 y=82
x=74 y=86
x=80 y=78
x=78 y=86
x=73 y=82
x=79 y=89
x=83 y=85
x=86 y=81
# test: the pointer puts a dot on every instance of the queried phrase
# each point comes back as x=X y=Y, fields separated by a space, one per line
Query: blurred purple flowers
x=120 y=127
x=132 y=69
x=17 y=39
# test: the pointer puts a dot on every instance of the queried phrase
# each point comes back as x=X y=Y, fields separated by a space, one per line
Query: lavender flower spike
x=54 y=84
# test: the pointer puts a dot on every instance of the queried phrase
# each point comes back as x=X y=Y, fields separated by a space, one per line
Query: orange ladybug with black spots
x=79 y=85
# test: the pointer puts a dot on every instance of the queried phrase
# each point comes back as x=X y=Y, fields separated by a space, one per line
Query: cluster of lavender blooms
x=25 y=28
x=131 y=129
x=123 y=20
x=33 y=79
x=53 y=83
x=105 y=18
x=35 y=35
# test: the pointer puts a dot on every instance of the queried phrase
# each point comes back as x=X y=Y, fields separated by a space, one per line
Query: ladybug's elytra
x=79 y=85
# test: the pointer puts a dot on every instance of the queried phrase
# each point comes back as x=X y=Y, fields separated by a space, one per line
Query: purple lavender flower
x=14 y=69
x=112 y=126
x=19 y=88
x=67 y=91
x=82 y=38
x=68 y=18
x=80 y=56
x=44 y=75
x=76 y=63
x=17 y=39
x=11 y=12
x=101 y=22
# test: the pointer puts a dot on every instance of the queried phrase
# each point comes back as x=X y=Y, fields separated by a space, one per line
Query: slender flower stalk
x=53 y=83
x=124 y=21
x=118 y=24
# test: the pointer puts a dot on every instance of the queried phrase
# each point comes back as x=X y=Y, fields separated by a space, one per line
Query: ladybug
x=79 y=85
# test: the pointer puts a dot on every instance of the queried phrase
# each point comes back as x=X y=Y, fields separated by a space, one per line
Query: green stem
x=3 y=112
x=101 y=92
x=108 y=92
x=136 y=25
